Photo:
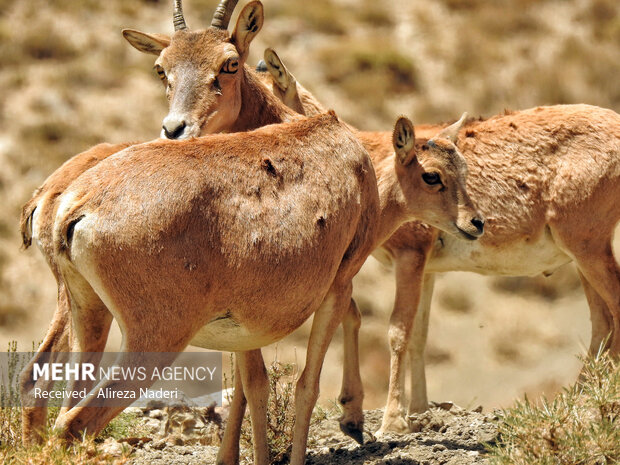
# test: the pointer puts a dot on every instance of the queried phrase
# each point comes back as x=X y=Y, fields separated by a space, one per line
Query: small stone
x=175 y=440
x=416 y=426
x=111 y=447
x=155 y=405
x=153 y=425
x=160 y=444
x=444 y=405
x=135 y=441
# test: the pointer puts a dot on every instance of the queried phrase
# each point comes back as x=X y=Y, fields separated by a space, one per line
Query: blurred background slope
x=68 y=80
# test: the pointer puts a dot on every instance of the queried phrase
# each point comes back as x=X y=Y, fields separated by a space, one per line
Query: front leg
x=326 y=320
x=409 y=275
x=352 y=393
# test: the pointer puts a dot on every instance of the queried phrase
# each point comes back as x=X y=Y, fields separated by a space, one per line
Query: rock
x=112 y=447
x=155 y=405
x=156 y=413
x=443 y=405
x=135 y=441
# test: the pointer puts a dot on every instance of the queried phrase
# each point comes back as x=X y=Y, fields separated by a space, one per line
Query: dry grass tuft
x=280 y=414
x=579 y=426
x=53 y=450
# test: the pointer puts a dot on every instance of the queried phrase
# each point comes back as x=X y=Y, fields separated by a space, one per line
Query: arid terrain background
x=68 y=80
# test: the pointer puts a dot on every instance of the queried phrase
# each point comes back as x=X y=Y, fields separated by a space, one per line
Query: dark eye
x=431 y=178
x=160 y=72
x=217 y=86
x=230 y=67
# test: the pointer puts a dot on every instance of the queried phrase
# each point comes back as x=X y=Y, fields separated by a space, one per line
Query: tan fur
x=545 y=180
x=292 y=206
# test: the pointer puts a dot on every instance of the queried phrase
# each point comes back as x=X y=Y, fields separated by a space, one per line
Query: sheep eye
x=160 y=72
x=230 y=67
x=217 y=86
x=432 y=178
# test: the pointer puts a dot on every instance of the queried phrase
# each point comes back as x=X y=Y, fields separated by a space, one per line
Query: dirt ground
x=446 y=435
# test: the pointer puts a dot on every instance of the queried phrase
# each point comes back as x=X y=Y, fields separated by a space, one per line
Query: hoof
x=397 y=425
x=353 y=430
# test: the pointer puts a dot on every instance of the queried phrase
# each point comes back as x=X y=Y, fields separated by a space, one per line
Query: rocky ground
x=445 y=435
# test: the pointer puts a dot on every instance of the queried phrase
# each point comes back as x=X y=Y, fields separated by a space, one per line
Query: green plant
x=126 y=424
x=580 y=426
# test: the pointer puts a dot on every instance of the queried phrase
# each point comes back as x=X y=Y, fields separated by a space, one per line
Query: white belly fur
x=227 y=335
x=524 y=258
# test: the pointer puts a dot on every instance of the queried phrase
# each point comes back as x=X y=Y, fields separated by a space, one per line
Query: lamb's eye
x=217 y=86
x=231 y=66
x=160 y=72
x=432 y=178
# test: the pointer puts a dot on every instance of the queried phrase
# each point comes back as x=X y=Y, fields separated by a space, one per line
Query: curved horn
x=452 y=132
x=222 y=14
x=177 y=16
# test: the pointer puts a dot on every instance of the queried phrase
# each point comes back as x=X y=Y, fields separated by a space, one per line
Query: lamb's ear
x=249 y=23
x=146 y=43
x=452 y=132
x=403 y=139
x=283 y=79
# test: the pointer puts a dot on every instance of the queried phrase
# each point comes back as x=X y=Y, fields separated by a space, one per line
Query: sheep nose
x=173 y=128
x=478 y=224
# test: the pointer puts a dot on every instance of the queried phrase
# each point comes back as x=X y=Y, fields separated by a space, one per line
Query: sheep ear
x=452 y=132
x=283 y=79
x=249 y=24
x=146 y=43
x=403 y=139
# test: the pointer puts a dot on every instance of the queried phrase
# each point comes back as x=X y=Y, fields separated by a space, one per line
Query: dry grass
x=53 y=450
x=280 y=414
x=581 y=425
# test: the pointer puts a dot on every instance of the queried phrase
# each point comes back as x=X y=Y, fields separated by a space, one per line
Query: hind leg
x=601 y=273
x=229 y=449
x=600 y=316
x=91 y=320
x=256 y=390
x=56 y=344
x=418 y=402
x=352 y=392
